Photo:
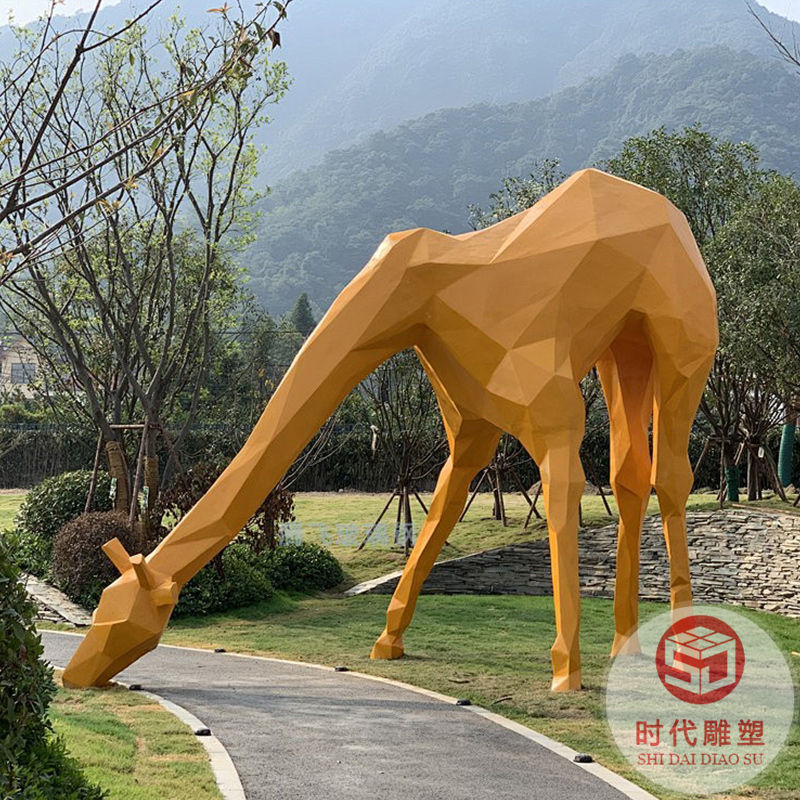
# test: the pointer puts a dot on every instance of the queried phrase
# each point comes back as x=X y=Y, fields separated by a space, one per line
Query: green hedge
x=303 y=568
x=33 y=762
x=235 y=580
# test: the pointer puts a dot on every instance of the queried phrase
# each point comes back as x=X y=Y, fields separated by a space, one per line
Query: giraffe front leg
x=563 y=482
x=472 y=446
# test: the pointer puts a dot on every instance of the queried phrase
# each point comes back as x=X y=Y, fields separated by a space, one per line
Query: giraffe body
x=506 y=322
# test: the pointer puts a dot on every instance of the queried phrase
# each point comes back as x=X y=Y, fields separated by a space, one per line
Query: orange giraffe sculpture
x=506 y=322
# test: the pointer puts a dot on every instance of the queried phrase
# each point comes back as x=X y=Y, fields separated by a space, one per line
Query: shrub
x=303 y=567
x=235 y=579
x=48 y=507
x=80 y=568
x=33 y=762
x=241 y=577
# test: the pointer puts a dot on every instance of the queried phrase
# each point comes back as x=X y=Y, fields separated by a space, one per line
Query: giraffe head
x=128 y=623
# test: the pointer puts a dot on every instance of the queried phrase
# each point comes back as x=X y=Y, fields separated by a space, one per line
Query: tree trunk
x=93 y=482
x=151 y=480
x=731 y=475
x=787 y=447
x=699 y=462
x=496 y=498
x=118 y=469
x=399 y=516
x=752 y=475
x=409 y=523
x=133 y=511
x=151 y=484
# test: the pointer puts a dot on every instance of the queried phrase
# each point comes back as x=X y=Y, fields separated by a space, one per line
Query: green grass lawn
x=10 y=501
x=493 y=650
x=770 y=502
x=131 y=746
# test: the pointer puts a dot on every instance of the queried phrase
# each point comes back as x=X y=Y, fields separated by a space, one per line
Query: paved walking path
x=296 y=731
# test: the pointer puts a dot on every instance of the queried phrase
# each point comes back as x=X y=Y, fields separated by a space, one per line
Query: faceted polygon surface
x=506 y=321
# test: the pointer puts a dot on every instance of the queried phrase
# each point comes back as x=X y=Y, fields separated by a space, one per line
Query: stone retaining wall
x=737 y=556
x=53 y=605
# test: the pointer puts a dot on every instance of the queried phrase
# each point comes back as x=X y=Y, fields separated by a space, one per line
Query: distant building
x=19 y=366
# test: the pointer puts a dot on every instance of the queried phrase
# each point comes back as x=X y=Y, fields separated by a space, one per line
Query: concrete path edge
x=225 y=773
x=604 y=774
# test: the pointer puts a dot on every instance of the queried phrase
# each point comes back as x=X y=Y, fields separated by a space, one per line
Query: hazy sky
x=787 y=8
x=26 y=10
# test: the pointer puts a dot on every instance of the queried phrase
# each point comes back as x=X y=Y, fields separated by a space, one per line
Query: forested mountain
x=488 y=88
x=360 y=66
x=321 y=225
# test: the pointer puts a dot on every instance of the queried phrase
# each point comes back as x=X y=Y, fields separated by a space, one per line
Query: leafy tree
x=123 y=317
x=755 y=259
x=706 y=177
x=56 y=166
x=755 y=268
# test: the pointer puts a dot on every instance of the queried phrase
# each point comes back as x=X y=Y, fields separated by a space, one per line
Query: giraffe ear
x=119 y=557
x=166 y=594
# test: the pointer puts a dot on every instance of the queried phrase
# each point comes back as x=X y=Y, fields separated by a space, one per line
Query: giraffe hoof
x=567 y=683
x=625 y=645
x=387 y=647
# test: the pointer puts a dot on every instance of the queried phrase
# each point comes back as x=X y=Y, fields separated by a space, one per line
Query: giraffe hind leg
x=677 y=398
x=626 y=374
